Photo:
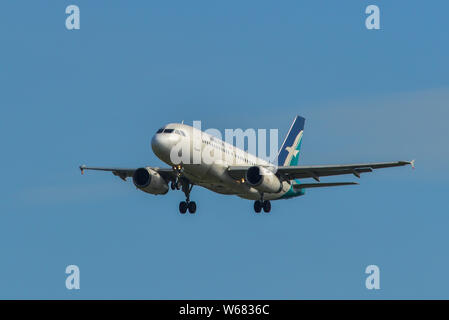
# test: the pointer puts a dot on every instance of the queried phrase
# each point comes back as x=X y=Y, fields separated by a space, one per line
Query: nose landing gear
x=175 y=185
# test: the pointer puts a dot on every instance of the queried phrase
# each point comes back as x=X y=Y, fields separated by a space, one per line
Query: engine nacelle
x=263 y=180
x=148 y=180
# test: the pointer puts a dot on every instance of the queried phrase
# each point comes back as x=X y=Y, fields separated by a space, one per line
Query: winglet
x=412 y=163
x=82 y=168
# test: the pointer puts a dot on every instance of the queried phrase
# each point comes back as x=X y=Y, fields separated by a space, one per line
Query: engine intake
x=253 y=176
x=148 y=180
x=263 y=180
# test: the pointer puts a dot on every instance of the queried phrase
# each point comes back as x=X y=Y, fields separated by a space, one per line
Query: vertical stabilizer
x=289 y=152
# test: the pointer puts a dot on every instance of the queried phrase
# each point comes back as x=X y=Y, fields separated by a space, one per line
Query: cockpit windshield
x=180 y=132
x=176 y=131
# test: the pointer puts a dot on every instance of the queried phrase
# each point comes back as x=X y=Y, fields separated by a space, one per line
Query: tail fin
x=289 y=152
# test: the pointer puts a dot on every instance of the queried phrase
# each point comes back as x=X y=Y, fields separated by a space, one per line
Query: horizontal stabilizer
x=318 y=185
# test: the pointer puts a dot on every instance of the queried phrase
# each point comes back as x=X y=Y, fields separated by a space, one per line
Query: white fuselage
x=212 y=175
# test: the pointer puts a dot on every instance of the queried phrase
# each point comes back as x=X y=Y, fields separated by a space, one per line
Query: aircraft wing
x=320 y=185
x=315 y=172
x=166 y=173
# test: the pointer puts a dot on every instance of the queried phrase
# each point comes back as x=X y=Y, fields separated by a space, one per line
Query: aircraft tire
x=266 y=206
x=183 y=207
x=192 y=207
x=257 y=206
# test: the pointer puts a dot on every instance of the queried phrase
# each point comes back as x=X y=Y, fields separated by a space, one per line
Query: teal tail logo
x=289 y=152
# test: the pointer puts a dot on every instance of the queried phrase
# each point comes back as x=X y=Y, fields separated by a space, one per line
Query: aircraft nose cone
x=160 y=144
x=157 y=144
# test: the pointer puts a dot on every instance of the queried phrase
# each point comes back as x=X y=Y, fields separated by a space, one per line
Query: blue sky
x=98 y=94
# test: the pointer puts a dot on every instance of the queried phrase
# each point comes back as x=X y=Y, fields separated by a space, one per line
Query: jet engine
x=148 y=180
x=263 y=180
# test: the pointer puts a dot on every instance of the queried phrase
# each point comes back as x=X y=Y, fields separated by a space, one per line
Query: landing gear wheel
x=183 y=207
x=192 y=207
x=257 y=206
x=267 y=206
x=175 y=185
x=186 y=188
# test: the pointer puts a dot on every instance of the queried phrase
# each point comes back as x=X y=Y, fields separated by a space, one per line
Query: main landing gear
x=186 y=205
x=262 y=204
x=259 y=205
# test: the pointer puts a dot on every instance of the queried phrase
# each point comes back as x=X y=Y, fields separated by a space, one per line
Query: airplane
x=239 y=172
